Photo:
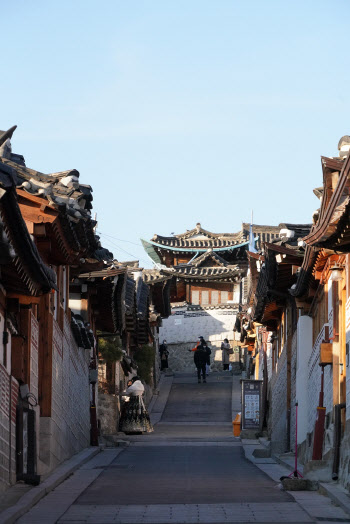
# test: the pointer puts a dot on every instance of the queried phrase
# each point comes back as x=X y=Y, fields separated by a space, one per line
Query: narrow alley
x=190 y=470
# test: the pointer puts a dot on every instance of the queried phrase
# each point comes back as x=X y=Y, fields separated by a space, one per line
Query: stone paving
x=190 y=470
x=186 y=513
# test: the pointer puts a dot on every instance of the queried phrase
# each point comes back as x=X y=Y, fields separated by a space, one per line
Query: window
x=195 y=297
x=224 y=297
x=205 y=298
x=214 y=297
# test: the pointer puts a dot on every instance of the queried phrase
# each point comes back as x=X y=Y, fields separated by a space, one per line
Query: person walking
x=135 y=417
x=207 y=364
x=226 y=352
x=200 y=361
x=164 y=353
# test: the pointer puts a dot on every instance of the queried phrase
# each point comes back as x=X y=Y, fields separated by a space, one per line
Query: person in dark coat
x=208 y=359
x=163 y=353
x=200 y=361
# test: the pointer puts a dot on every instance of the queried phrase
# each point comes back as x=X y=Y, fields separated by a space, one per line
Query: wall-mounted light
x=336 y=272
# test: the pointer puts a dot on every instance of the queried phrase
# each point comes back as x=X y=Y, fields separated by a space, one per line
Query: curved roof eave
x=148 y=246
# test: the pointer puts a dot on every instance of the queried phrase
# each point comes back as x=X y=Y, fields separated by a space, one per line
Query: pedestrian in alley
x=164 y=353
x=207 y=366
x=226 y=352
x=200 y=361
x=135 y=417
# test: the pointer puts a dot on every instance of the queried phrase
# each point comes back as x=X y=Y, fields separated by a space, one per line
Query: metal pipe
x=337 y=438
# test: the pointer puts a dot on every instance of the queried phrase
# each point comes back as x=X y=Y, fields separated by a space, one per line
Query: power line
x=120 y=239
x=127 y=252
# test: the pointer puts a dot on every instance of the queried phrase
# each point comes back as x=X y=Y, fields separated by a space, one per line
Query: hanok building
x=208 y=284
x=47 y=222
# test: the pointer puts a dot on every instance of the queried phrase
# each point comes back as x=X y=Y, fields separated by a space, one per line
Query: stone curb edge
x=336 y=493
x=33 y=496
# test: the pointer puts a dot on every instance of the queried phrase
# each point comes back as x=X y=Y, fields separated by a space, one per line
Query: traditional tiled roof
x=208 y=256
x=332 y=228
x=275 y=278
x=152 y=276
x=63 y=192
x=25 y=271
x=60 y=189
x=199 y=238
x=231 y=273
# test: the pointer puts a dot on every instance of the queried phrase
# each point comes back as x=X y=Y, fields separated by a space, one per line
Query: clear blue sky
x=179 y=111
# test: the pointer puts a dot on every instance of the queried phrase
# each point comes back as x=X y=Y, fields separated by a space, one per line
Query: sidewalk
x=330 y=502
x=15 y=503
x=20 y=498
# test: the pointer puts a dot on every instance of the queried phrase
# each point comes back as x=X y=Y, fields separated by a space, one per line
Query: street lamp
x=336 y=274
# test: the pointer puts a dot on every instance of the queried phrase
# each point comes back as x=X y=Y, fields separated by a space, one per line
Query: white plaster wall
x=304 y=349
x=185 y=326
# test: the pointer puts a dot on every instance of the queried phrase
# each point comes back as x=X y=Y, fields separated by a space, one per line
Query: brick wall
x=67 y=431
x=8 y=402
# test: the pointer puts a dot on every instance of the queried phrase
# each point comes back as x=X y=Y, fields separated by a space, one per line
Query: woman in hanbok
x=135 y=417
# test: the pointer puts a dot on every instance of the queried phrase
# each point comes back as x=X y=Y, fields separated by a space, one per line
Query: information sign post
x=252 y=404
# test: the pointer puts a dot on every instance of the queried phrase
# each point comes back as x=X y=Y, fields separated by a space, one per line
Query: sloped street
x=191 y=469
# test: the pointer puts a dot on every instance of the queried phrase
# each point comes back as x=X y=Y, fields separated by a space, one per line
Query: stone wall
x=182 y=329
x=67 y=431
x=8 y=402
x=293 y=390
x=278 y=405
x=181 y=357
x=344 y=469
x=108 y=413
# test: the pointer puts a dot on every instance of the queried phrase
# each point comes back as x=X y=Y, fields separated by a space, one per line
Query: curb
x=337 y=494
x=332 y=490
x=60 y=474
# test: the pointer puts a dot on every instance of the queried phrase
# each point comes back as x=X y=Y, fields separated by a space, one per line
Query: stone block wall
x=347 y=323
x=278 y=405
x=182 y=329
x=8 y=402
x=67 y=431
x=34 y=356
x=293 y=390
x=344 y=469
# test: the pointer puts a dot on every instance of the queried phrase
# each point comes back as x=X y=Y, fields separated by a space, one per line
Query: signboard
x=251 y=404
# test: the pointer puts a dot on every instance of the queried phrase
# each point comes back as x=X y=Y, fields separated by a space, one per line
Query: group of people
x=202 y=357
x=134 y=416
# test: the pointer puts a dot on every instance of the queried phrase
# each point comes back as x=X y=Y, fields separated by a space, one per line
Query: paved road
x=191 y=469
